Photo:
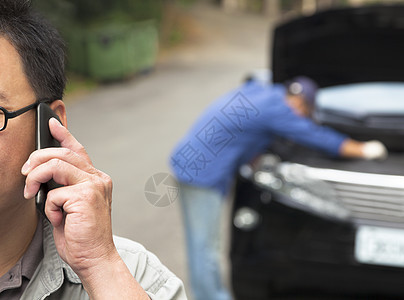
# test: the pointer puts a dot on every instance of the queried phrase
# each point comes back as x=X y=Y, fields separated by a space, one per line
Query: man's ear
x=58 y=106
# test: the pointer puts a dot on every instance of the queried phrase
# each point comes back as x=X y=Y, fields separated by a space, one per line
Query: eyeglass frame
x=16 y=113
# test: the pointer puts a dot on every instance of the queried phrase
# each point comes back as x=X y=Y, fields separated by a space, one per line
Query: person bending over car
x=73 y=255
x=231 y=132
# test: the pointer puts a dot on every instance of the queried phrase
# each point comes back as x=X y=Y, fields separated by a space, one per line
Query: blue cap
x=303 y=86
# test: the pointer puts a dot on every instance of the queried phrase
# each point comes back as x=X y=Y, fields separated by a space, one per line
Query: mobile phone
x=44 y=139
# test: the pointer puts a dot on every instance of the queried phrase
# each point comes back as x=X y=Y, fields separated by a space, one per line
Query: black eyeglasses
x=5 y=114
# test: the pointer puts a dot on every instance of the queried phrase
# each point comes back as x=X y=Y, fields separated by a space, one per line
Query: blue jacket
x=238 y=127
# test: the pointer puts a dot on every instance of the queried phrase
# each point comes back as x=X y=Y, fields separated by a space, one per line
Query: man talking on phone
x=73 y=255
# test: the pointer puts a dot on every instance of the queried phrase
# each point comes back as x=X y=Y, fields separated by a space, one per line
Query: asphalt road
x=130 y=128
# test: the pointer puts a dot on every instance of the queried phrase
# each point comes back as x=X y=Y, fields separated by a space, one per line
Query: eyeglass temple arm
x=13 y=114
x=16 y=113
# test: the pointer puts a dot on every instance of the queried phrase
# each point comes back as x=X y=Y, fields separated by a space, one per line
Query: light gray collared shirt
x=54 y=279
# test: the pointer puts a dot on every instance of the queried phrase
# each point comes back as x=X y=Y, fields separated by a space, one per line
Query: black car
x=308 y=226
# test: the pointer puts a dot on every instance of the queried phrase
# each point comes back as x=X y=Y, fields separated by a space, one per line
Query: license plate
x=380 y=246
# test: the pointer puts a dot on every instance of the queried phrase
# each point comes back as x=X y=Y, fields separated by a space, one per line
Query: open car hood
x=342 y=46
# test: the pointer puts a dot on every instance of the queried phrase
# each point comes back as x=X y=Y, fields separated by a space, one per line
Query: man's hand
x=374 y=150
x=371 y=150
x=80 y=213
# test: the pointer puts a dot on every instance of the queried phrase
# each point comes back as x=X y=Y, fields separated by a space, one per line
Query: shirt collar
x=12 y=279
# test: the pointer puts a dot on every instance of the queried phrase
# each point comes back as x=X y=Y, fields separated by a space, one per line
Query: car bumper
x=292 y=252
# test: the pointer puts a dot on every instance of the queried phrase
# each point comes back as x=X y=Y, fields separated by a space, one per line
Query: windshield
x=364 y=98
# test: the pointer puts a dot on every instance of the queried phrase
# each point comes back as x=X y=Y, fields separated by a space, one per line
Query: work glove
x=373 y=150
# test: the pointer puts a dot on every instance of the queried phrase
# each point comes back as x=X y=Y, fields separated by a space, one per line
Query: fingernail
x=25 y=192
x=25 y=167
x=53 y=119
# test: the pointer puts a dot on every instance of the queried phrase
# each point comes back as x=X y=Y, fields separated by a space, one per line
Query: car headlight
x=246 y=218
x=298 y=186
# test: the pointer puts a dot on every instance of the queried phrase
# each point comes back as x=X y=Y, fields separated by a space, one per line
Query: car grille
x=367 y=196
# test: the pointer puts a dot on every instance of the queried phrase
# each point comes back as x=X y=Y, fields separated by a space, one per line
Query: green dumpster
x=113 y=51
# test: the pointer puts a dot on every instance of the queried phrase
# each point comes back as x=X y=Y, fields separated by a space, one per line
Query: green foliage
x=142 y=10
x=185 y=2
x=95 y=24
x=89 y=9
x=86 y=12
x=59 y=12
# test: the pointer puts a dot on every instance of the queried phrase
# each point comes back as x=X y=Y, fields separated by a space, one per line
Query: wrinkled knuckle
x=50 y=196
x=103 y=184
x=89 y=195
x=105 y=181
x=108 y=182
x=67 y=152
x=105 y=177
x=55 y=163
x=82 y=149
x=99 y=185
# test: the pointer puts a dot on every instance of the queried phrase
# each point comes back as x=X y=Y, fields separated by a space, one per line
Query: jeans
x=202 y=210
